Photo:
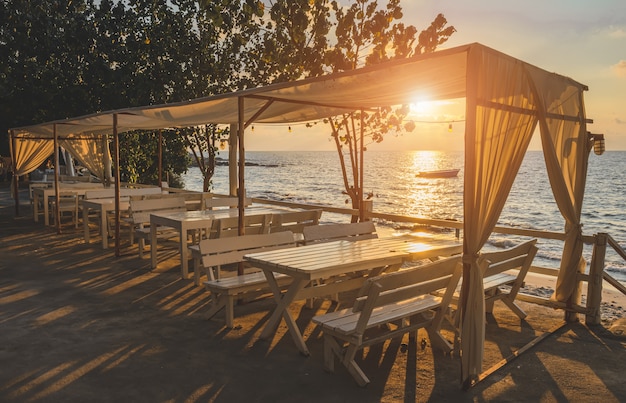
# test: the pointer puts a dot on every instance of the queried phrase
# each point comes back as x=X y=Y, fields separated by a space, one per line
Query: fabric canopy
x=506 y=99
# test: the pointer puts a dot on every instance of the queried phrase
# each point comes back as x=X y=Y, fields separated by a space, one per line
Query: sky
x=581 y=39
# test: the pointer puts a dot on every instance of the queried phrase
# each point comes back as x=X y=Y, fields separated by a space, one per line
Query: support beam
x=594 y=284
x=57 y=170
x=233 y=145
x=116 y=141
x=241 y=191
x=160 y=152
x=16 y=178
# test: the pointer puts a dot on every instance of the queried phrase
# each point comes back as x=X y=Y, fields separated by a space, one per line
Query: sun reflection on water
x=430 y=197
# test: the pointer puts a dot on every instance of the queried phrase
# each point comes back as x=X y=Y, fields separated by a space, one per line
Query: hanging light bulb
x=253 y=128
x=450 y=127
x=289 y=129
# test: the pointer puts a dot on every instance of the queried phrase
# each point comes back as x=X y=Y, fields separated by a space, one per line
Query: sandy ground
x=78 y=324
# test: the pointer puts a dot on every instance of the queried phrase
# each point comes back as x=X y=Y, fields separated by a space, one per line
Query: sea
x=390 y=179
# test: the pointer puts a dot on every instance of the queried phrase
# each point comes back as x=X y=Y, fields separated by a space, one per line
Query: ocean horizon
x=314 y=177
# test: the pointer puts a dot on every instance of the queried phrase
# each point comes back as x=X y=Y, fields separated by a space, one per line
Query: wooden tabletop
x=325 y=260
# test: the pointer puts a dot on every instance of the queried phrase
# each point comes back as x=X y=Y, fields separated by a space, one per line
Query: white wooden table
x=103 y=207
x=183 y=222
x=312 y=264
x=44 y=193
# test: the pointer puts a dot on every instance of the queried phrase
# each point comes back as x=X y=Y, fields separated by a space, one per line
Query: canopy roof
x=440 y=75
x=506 y=99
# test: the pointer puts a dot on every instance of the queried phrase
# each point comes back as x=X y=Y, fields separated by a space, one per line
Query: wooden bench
x=125 y=194
x=335 y=232
x=387 y=306
x=139 y=218
x=295 y=221
x=500 y=280
x=193 y=200
x=109 y=193
x=254 y=224
x=222 y=251
x=224 y=202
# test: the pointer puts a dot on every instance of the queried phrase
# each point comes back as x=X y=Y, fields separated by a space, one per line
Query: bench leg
x=217 y=304
x=436 y=339
x=230 y=311
x=353 y=368
x=141 y=244
x=514 y=307
x=330 y=349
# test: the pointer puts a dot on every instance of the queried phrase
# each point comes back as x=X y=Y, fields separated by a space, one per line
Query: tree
x=296 y=46
x=42 y=47
x=206 y=140
x=65 y=58
x=367 y=33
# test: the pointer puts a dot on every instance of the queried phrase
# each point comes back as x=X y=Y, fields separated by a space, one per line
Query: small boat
x=443 y=173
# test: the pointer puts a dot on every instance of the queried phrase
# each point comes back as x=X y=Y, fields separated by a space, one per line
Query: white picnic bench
x=102 y=203
x=222 y=251
x=343 y=231
x=139 y=218
x=296 y=221
x=387 y=306
x=505 y=275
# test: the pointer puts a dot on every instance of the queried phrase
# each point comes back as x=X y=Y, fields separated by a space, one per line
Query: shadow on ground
x=79 y=324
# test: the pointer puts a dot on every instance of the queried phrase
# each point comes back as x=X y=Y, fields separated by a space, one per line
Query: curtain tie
x=469 y=258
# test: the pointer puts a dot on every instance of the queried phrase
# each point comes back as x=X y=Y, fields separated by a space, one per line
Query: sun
x=421 y=107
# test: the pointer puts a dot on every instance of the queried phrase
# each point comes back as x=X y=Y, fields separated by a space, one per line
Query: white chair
x=68 y=202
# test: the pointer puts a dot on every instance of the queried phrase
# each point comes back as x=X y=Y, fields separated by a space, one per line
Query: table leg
x=36 y=206
x=153 y=245
x=103 y=228
x=46 y=219
x=282 y=310
x=86 y=224
x=184 y=264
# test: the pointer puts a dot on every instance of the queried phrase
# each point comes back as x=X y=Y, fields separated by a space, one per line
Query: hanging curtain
x=499 y=125
x=30 y=154
x=92 y=152
x=566 y=148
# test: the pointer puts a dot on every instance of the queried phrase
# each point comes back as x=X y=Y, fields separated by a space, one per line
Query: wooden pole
x=160 y=152
x=594 y=284
x=241 y=191
x=57 y=169
x=361 y=165
x=116 y=141
x=16 y=178
x=233 y=144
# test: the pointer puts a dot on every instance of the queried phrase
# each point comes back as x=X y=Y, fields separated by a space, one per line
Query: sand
x=78 y=324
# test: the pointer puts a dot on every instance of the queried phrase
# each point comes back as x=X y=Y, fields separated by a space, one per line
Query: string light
x=450 y=127
x=253 y=128
x=289 y=129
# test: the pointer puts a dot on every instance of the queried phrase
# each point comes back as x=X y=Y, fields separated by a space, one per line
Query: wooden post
x=232 y=160
x=368 y=207
x=116 y=141
x=160 y=152
x=594 y=285
x=16 y=187
x=241 y=191
x=57 y=171
x=361 y=174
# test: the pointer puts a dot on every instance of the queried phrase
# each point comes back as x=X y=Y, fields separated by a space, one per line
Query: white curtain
x=29 y=154
x=92 y=152
x=499 y=125
x=566 y=148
